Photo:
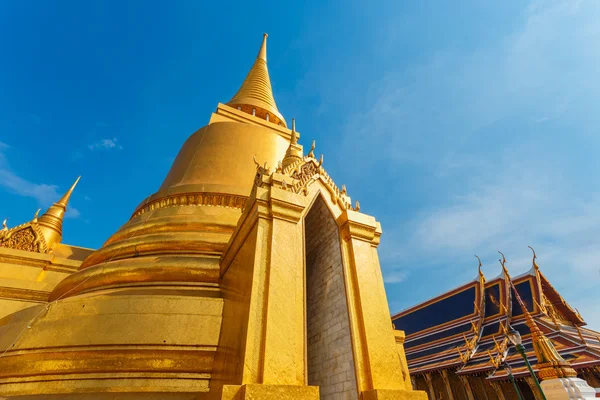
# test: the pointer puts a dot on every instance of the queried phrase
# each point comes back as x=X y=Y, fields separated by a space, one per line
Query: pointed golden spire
x=255 y=96
x=294 y=152
x=50 y=222
x=262 y=52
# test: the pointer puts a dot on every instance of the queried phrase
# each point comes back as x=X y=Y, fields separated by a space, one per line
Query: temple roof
x=255 y=96
x=464 y=328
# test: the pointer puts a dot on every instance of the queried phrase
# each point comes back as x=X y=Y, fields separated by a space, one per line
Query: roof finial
x=262 y=53
x=535 y=266
x=311 y=153
x=479 y=267
x=294 y=139
x=35 y=216
x=481 y=277
x=503 y=262
x=4 y=226
x=255 y=96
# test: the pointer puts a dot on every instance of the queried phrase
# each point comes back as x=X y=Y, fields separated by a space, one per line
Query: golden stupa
x=247 y=275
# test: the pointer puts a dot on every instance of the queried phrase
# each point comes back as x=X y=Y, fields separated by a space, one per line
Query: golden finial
x=256 y=92
x=535 y=266
x=321 y=160
x=481 y=277
x=294 y=152
x=311 y=153
x=4 y=226
x=262 y=53
x=35 y=216
x=343 y=189
x=503 y=263
x=50 y=223
x=357 y=206
x=294 y=139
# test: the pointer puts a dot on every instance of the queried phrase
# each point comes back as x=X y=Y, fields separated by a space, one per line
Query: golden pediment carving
x=24 y=237
x=297 y=176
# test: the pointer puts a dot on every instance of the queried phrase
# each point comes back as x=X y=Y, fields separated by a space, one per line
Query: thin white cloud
x=45 y=194
x=392 y=276
x=106 y=144
x=72 y=213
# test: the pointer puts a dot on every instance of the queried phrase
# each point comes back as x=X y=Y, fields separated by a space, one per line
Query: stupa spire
x=50 y=222
x=255 y=96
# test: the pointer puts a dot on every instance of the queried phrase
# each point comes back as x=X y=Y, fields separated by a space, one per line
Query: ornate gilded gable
x=297 y=175
x=25 y=237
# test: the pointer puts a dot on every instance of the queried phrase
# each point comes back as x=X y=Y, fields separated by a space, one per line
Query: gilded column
x=447 y=384
x=465 y=381
x=400 y=337
x=534 y=388
x=374 y=345
x=498 y=389
x=266 y=252
x=590 y=377
x=429 y=381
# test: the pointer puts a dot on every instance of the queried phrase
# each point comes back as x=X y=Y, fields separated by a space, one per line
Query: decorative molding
x=356 y=230
x=286 y=211
x=298 y=175
x=24 y=294
x=193 y=199
x=26 y=237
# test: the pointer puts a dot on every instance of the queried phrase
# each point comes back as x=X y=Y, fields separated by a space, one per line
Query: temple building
x=248 y=274
x=457 y=346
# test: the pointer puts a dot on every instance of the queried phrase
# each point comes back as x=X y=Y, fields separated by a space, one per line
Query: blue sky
x=464 y=127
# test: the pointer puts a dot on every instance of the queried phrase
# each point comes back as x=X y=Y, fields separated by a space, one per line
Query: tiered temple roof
x=464 y=329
